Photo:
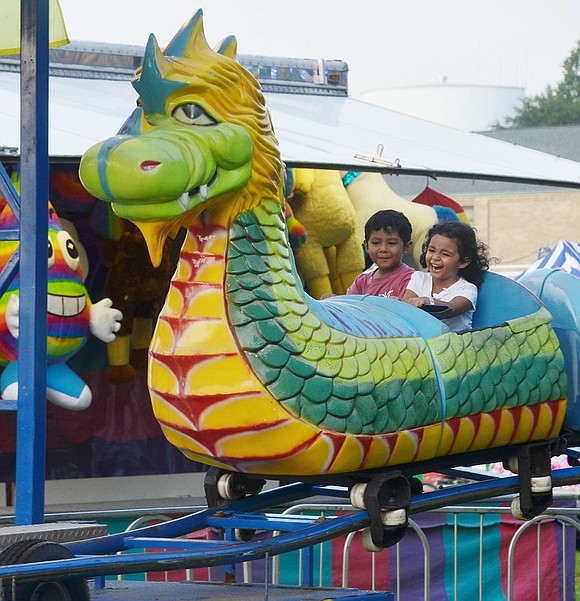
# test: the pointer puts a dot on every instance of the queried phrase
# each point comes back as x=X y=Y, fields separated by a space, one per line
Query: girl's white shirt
x=421 y=284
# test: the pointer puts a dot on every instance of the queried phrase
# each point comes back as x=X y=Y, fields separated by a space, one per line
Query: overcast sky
x=386 y=43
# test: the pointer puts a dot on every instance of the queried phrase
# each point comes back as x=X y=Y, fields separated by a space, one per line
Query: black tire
x=29 y=551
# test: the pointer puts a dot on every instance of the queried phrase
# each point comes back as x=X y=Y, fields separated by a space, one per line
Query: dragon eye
x=192 y=114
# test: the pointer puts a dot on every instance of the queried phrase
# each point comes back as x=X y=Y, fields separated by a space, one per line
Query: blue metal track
x=97 y=557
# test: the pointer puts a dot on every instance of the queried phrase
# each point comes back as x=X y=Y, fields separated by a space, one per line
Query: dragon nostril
x=149 y=165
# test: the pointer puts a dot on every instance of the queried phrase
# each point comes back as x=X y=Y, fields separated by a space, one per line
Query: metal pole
x=31 y=413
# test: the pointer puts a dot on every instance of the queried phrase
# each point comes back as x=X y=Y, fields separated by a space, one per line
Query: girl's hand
x=419 y=301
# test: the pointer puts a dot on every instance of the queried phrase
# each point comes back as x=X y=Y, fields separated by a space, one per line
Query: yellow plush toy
x=369 y=193
x=332 y=256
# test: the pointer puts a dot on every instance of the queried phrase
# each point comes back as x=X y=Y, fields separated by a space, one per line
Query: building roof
x=560 y=140
x=331 y=130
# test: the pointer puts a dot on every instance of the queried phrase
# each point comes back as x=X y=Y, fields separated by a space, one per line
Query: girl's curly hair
x=468 y=245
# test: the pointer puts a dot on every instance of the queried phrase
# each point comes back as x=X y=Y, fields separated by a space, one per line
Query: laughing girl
x=456 y=262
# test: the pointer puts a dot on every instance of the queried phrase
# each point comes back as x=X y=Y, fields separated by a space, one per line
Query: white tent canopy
x=323 y=131
x=564 y=255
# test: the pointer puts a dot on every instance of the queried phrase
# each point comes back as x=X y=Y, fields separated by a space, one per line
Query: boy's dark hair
x=468 y=245
x=392 y=222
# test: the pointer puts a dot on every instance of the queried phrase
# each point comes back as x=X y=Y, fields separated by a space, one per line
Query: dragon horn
x=190 y=39
x=132 y=125
x=228 y=47
x=153 y=58
x=152 y=81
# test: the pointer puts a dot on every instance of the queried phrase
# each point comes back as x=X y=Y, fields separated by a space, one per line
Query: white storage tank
x=466 y=107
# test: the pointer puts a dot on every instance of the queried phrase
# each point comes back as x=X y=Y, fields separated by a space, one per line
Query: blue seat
x=501 y=299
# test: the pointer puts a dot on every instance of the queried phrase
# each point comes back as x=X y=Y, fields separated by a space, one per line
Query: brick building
x=517 y=221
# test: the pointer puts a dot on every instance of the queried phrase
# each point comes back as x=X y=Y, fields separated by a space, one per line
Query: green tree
x=555 y=106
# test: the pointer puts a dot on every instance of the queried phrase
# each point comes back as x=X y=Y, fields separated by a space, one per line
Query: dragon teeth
x=202 y=191
x=184 y=201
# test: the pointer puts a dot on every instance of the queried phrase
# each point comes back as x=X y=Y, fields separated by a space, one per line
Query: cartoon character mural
x=71 y=315
x=246 y=371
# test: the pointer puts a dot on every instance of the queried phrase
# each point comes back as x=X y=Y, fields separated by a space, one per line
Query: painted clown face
x=68 y=304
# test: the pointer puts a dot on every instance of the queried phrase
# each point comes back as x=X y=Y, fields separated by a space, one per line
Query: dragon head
x=199 y=133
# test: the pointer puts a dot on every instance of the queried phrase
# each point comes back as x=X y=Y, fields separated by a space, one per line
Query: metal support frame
x=31 y=413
